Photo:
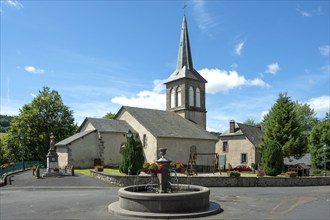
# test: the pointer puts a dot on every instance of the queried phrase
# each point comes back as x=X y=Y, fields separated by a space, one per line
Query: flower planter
x=261 y=173
x=155 y=171
x=180 y=170
x=234 y=174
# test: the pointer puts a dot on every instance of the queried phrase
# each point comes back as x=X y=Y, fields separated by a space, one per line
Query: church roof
x=107 y=125
x=253 y=133
x=167 y=124
x=185 y=67
x=73 y=138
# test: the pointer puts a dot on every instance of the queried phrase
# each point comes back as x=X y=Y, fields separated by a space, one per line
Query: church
x=181 y=128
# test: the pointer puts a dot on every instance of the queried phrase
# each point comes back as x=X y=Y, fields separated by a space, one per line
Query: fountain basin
x=188 y=201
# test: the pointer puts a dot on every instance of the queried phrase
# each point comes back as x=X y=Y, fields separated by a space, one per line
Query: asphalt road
x=82 y=197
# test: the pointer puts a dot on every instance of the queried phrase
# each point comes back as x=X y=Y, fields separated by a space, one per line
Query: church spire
x=184 y=56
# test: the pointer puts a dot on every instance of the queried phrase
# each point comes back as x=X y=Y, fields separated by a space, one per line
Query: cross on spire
x=184 y=7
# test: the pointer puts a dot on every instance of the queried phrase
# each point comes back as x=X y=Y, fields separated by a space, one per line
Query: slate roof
x=185 y=67
x=73 y=138
x=99 y=124
x=108 y=125
x=167 y=124
x=253 y=133
x=306 y=159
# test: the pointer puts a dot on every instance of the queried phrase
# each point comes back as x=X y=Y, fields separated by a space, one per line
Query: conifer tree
x=134 y=159
x=272 y=158
x=281 y=125
x=319 y=137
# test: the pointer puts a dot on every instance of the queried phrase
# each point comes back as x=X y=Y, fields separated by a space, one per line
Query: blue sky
x=100 y=55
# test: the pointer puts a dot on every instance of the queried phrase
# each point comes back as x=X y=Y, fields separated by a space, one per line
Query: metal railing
x=9 y=168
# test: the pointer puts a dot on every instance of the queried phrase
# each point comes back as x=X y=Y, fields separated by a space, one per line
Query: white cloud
x=325 y=69
x=324 y=50
x=204 y=19
x=222 y=80
x=81 y=110
x=33 y=95
x=320 y=104
x=304 y=13
x=238 y=48
x=14 y=3
x=32 y=69
x=273 y=68
x=154 y=99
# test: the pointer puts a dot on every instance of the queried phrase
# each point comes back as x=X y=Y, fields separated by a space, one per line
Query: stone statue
x=52 y=142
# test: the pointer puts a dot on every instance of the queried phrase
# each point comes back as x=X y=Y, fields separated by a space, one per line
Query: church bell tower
x=185 y=88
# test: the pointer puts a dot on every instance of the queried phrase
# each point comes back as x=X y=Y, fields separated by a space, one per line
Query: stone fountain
x=164 y=200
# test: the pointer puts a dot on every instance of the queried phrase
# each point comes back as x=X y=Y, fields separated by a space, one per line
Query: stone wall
x=219 y=181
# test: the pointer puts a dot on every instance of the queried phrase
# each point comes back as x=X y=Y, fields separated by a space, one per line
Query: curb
x=4 y=182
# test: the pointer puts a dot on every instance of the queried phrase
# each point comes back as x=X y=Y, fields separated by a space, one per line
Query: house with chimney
x=238 y=145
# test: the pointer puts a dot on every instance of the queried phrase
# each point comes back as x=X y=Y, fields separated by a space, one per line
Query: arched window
x=198 y=97
x=191 y=96
x=172 y=98
x=178 y=93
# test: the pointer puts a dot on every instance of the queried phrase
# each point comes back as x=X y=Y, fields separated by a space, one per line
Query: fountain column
x=164 y=176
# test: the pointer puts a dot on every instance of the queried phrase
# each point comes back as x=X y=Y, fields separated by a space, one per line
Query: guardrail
x=9 y=168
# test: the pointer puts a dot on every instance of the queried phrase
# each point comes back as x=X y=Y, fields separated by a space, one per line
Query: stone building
x=239 y=143
x=180 y=129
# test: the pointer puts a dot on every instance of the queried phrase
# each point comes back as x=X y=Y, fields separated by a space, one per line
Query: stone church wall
x=149 y=142
x=178 y=149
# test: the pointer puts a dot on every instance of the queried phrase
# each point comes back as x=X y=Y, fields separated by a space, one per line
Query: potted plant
x=56 y=169
x=291 y=174
x=99 y=168
x=234 y=173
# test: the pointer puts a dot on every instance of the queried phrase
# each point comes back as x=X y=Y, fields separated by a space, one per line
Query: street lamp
x=325 y=159
x=129 y=135
x=22 y=136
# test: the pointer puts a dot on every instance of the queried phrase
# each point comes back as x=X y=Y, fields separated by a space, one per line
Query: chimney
x=232 y=126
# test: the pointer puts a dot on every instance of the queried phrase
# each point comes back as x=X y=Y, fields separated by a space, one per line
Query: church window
x=198 y=97
x=191 y=96
x=179 y=97
x=172 y=98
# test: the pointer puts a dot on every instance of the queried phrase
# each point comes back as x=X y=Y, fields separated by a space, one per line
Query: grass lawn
x=106 y=170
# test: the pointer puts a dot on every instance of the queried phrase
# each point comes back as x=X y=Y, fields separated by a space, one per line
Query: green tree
x=252 y=122
x=282 y=125
x=306 y=117
x=4 y=153
x=272 y=158
x=319 y=137
x=36 y=121
x=5 y=121
x=135 y=159
x=109 y=115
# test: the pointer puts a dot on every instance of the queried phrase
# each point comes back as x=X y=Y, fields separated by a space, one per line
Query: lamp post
x=325 y=159
x=22 y=136
x=129 y=136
